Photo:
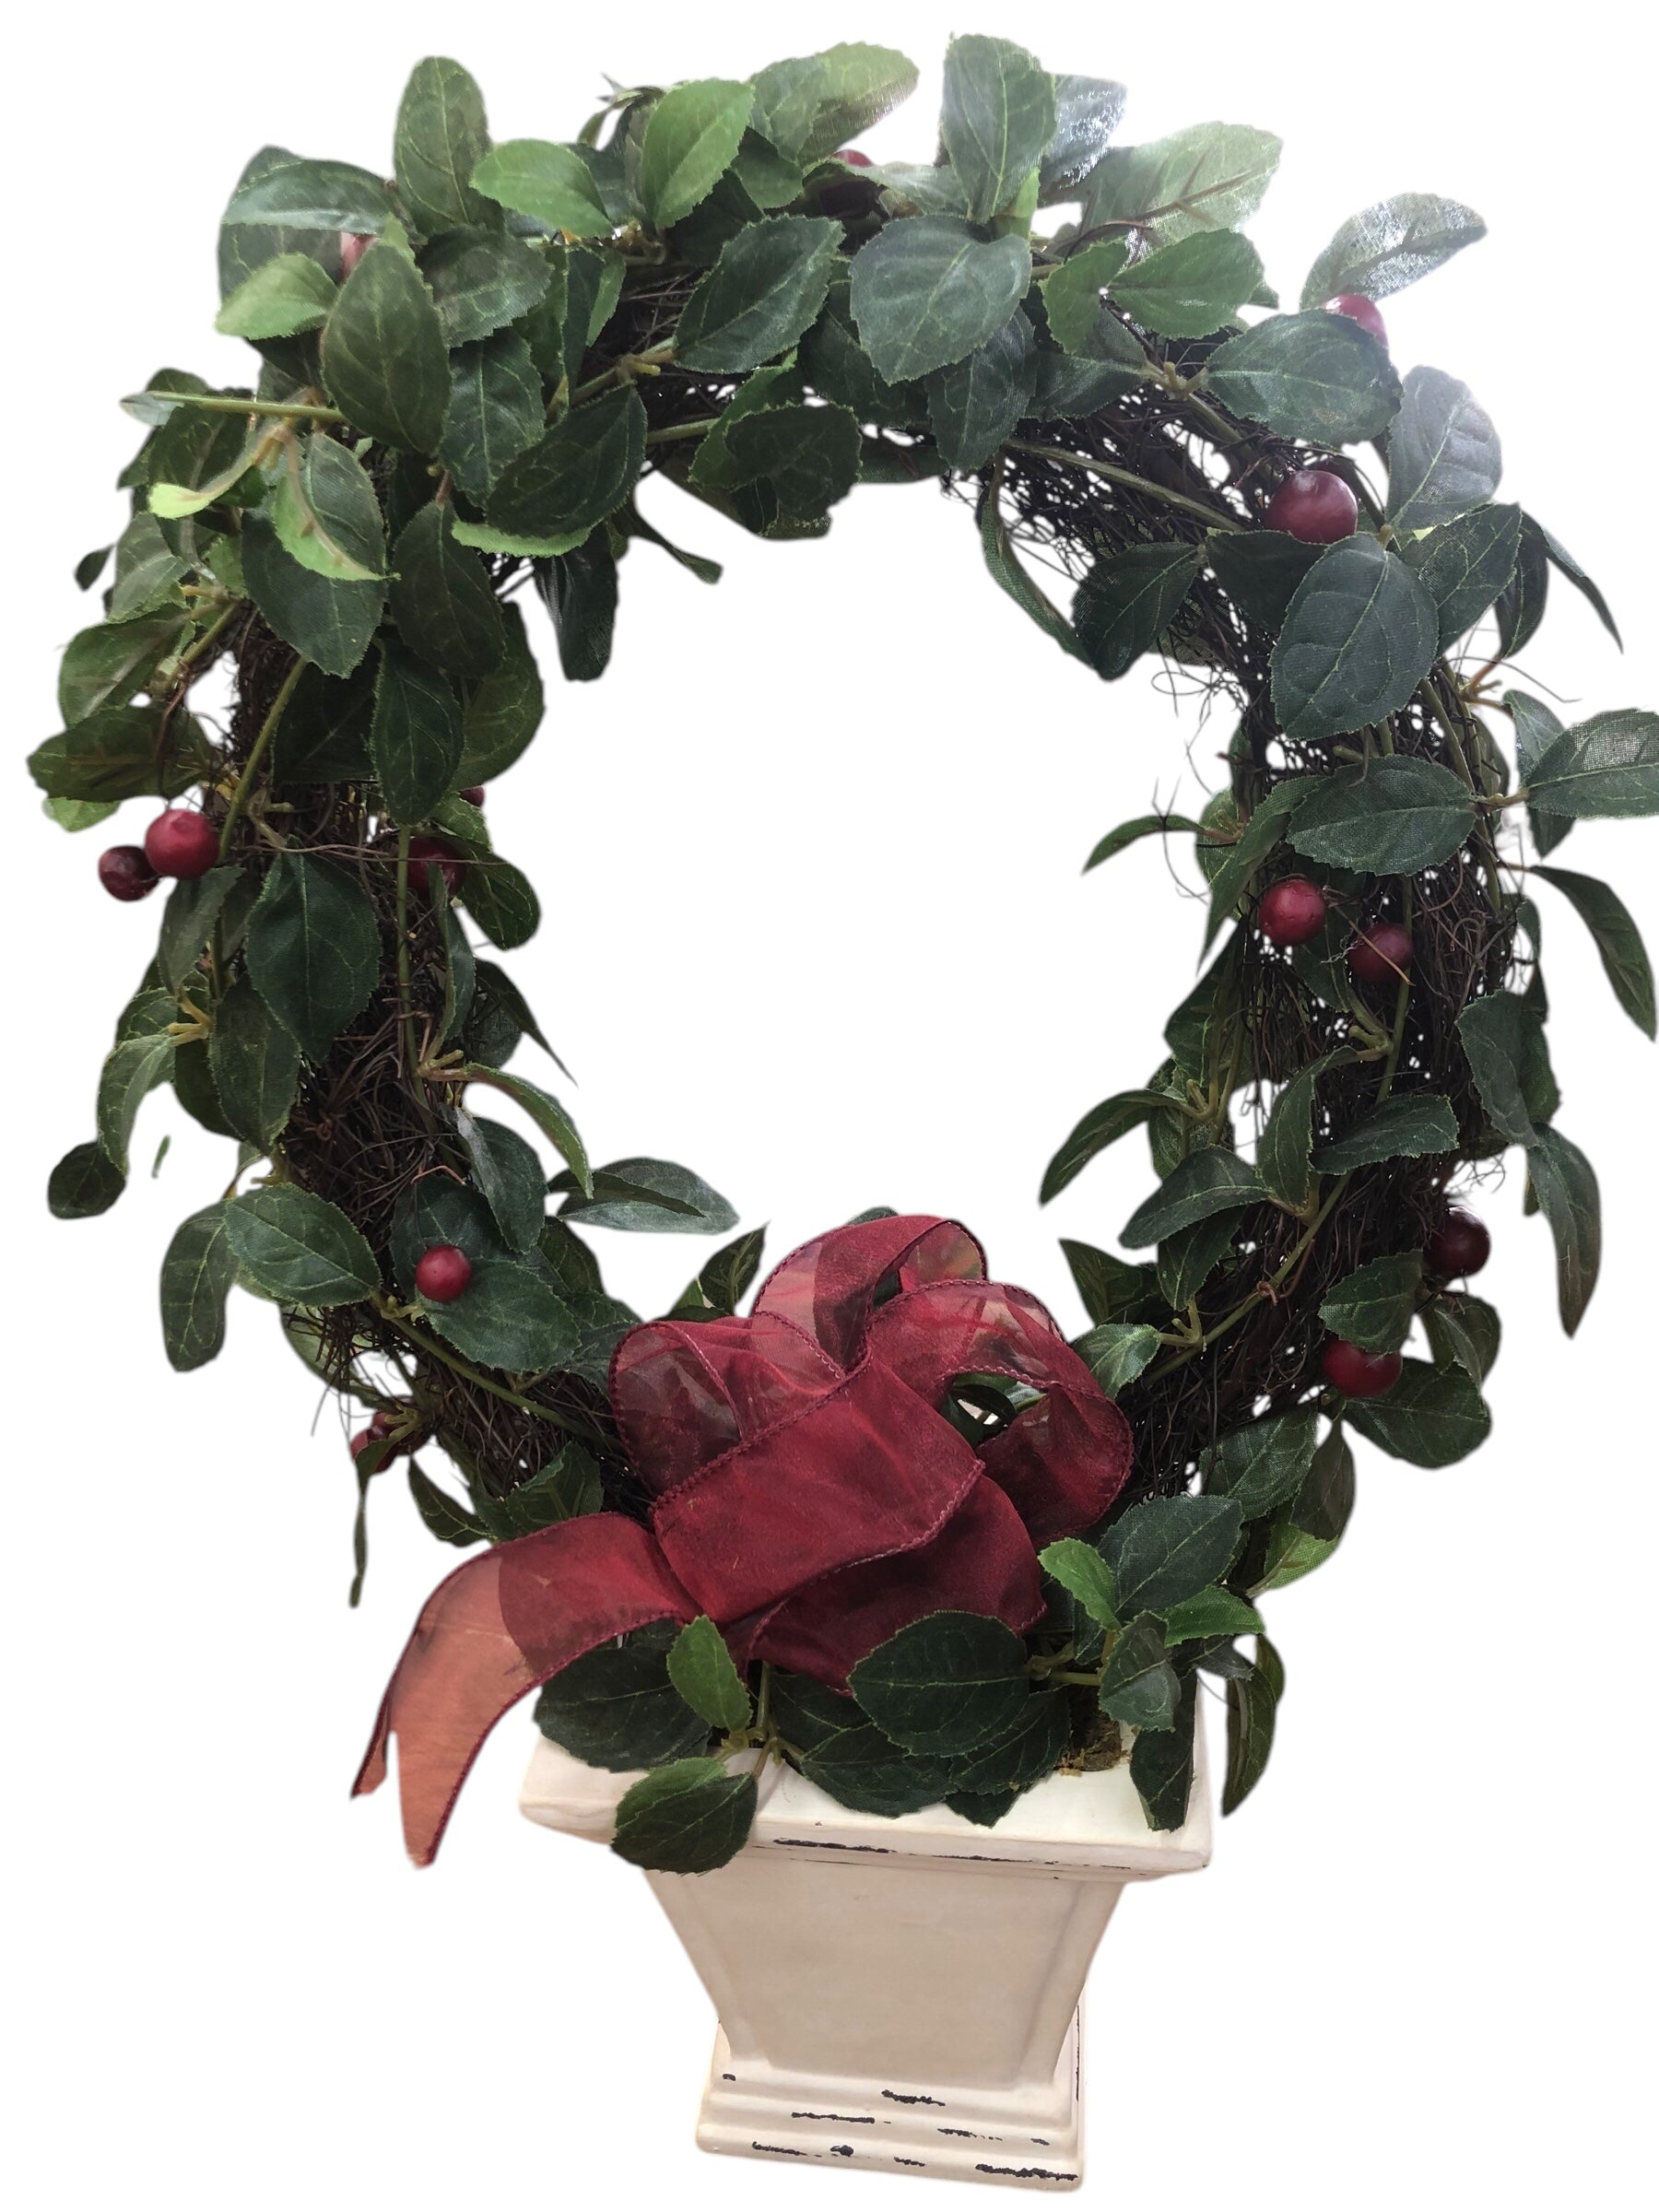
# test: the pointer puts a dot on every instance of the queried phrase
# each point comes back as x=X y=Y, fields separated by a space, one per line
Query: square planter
x=899 y=1995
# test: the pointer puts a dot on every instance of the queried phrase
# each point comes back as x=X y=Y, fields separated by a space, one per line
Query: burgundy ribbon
x=808 y=1494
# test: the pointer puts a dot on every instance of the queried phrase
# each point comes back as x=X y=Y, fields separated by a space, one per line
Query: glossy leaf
x=998 y=117
x=809 y=107
x=314 y=948
x=290 y=193
x=1463 y=1328
x=509 y=1174
x=282 y=298
x=1432 y=1417
x=1160 y=1766
x=299 y=1248
x=1251 y=1710
x=1314 y=376
x=1443 y=454
x=652 y=1195
x=928 y=291
x=1138 y=1686
x=384 y=359
x=1392 y=817
x=1373 y=1306
x=1086 y=110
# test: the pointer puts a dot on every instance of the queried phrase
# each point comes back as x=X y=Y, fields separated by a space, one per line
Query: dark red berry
x=354 y=244
x=1358 y=309
x=379 y=1427
x=1316 y=506
x=425 y=851
x=181 y=843
x=1381 y=954
x=126 y=874
x=852 y=158
x=361 y=1441
x=1358 y=1374
x=474 y=794
x=442 y=1273
x=1461 y=1245
x=1292 y=911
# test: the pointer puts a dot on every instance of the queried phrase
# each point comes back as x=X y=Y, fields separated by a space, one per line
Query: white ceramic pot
x=901 y=1994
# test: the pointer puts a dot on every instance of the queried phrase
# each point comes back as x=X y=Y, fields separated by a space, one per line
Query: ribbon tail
x=498 y=1627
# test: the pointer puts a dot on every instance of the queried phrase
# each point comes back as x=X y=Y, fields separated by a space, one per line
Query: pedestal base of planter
x=1027 y=2136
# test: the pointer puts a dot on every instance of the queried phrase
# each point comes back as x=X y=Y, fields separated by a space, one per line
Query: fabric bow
x=808 y=1494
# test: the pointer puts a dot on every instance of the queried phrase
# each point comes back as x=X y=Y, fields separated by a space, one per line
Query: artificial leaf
x=975 y=404
x=104 y=666
x=1260 y=1465
x=1214 y=1612
x=1101 y=1126
x=1466 y=564
x=440 y=138
x=1167 y=1549
x=196 y=1278
x=1008 y=569
x=313 y=947
x=1160 y=1766
x=384 y=359
x=1432 y=1415
x=1607 y=766
x=575 y=474
x=1138 y=1686
x=282 y=298
x=1086 y=110
x=807 y=108
x=326 y=514
x=654 y=1196
x=1360 y=634
x=1314 y=376
x=700 y=1668
x=503 y=712
x=135 y=1066
x=255 y=1064
x=617 y=1708
x=1496 y=1032
x=552 y=185
x=1537 y=728
x=1373 y=1306
x=1210 y=176
x=1443 y=454
x=1409 y=1126
x=1128 y=600
x=948 y=1684
x=495 y=411
x=691 y=139
x=686 y=1818
x=299 y=1248
x=1463 y=1328
x=1079 y=1568
x=1568 y=1196
x=997 y=118
x=765 y=289
x=1251 y=1709
x=928 y=291
x=328 y=623
x=1117 y=1351
x=1189 y=289
x=1208 y=1182
x=289 y=192
x=1259 y=569
x=1128 y=833
x=509 y=1172
x=544 y=1109
x=1392 y=817
x=441 y=601
x=192 y=907
x=84 y=1182
x=1384 y=248
x=1618 y=941
x=121 y=753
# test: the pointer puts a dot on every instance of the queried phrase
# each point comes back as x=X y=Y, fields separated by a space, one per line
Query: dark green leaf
x=552 y=185
x=1444 y=455
x=1392 y=817
x=503 y=713
x=1109 y=1287
x=1117 y=1351
x=327 y=623
x=1031 y=1748
x=691 y=139
x=299 y=1248
x=1101 y=1126
x=949 y=1684
x=282 y=298
x=323 y=734
x=1127 y=601
x=1618 y=941
x=1408 y=1127
x=1463 y=1328
x=1536 y=729
x=495 y=411
x=441 y=601
x=255 y=1066
x=1207 y=1183
x=1087 y=111
x=1167 y=1549
x=1071 y=293
x=544 y=1109
x=442 y=137
x=192 y=907
x=1431 y=1417
x=700 y=1668
x=928 y=291
x=1187 y=1259
x=384 y=355
x=581 y=470
x=512 y=1315
x=1258 y=838
x=1384 y=248
x=1138 y=1686
x=1497 y=1034
x=1192 y=287
x=1561 y=559
x=858 y=1767
x=1079 y=1568
x=654 y=1196
x=312 y=948
x=997 y=118
x=196 y=1278
x=1128 y=833
x=1373 y=1306
x=809 y=455
x=1314 y=376
x=481 y=282
x=444 y=1519
x=1251 y=1709
x=509 y=1172
x=1262 y=1464
x=762 y=293
x=292 y=193
x=1210 y=176
x=809 y=107
x=1214 y=1612
x=1360 y=634
x=616 y=1707
x=1259 y=569
x=131 y=1071
x=1466 y=564
x=86 y=1182
x=687 y=1819
x=718 y=1288
x=104 y=666
x=121 y=753
x=501 y=900
x=567 y=1488
x=326 y=515
x=1160 y=1766
x=1284 y=1155
x=1564 y=1184
x=147 y=572
x=997 y=544
x=1608 y=765
x=1521 y=607
x=975 y=404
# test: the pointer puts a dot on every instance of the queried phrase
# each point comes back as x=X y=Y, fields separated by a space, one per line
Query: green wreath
x=465 y=373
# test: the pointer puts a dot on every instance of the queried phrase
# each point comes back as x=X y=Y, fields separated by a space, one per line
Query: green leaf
x=1412 y=1127
x=1118 y=1351
x=1079 y=1568
x=327 y=623
x=927 y=291
x=104 y=666
x=509 y=1172
x=809 y=455
x=616 y=1707
x=1208 y=1182
x=1373 y=1306
x=1314 y=376
x=1497 y=1034
x=1463 y=1328
x=480 y=283
x=1322 y=1506
x=651 y=1195
x=194 y=906
x=1432 y=1415
x=314 y=948
x=196 y=1278
x=1210 y=176
x=1466 y=565
x=495 y=411
x=567 y=1488
x=442 y=137
x=292 y=193
x=1561 y=559
x=1360 y=634
x=1086 y=110
x=1214 y=1612
x=1260 y=1465
x=578 y=473
x=282 y=299
x=444 y=1519
x=858 y=1767
x=121 y=753
x=1128 y=833
x=147 y=571
x=691 y=139
x=1188 y=1259
x=839 y=367
x=687 y=1819
x=84 y=1182
x=1138 y=1686
x=1071 y=293
x=552 y=185
x=1257 y=841
x=1444 y=455
x=299 y=1248
x=1384 y=248
x=1536 y=729
x=1392 y=817
x=441 y=601
x=949 y=1684
x=1521 y=607
x=719 y=1285
x=131 y=1071
x=1009 y=570
x=1167 y=1549
x=1251 y=1710
x=513 y=1314
x=1608 y=765
x=1111 y=1288
x=974 y=404
x=75 y=815
x=255 y=1066
x=1259 y=569
x=1073 y=385
x=503 y=712
x=997 y=118
x=1127 y=601
x=544 y=1109
x=1568 y=1196
x=1101 y=1126
x=1285 y=1152
x=1160 y=1766
x=1190 y=289
x=764 y=290
x=809 y=107
x=326 y=515
x=700 y=1668
x=384 y=359
x=501 y=900
x=1618 y=941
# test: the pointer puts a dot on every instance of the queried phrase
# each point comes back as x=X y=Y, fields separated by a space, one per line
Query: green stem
x=432 y=1349
x=285 y=410
x=681 y=431
x=1216 y=520
x=210 y=635
x=621 y=371
x=267 y=730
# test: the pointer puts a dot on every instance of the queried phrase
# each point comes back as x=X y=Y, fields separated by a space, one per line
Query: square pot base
x=1028 y=2137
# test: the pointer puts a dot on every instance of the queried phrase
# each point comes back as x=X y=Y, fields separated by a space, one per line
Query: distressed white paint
x=899 y=1994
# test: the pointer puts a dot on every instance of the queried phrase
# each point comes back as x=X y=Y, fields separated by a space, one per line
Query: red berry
x=181 y=843
x=1292 y=911
x=126 y=874
x=1316 y=506
x=442 y=1273
x=852 y=158
x=1358 y=309
x=354 y=244
x=1461 y=1245
x=430 y=849
x=361 y=1441
x=1380 y=953
x=379 y=1427
x=1358 y=1374
x=474 y=794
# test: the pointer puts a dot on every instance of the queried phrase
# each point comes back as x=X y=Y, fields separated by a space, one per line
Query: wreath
x=888 y=1526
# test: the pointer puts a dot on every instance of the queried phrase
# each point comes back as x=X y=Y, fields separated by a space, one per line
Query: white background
x=814 y=924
